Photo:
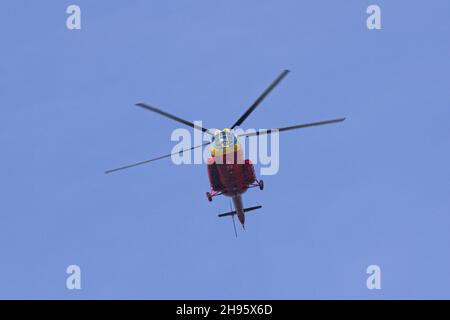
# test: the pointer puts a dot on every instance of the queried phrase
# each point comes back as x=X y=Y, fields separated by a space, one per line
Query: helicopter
x=229 y=174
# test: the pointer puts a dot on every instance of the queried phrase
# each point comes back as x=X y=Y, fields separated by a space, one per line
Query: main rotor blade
x=171 y=116
x=260 y=98
x=154 y=159
x=299 y=126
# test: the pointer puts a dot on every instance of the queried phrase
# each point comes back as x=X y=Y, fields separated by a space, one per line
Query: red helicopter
x=228 y=173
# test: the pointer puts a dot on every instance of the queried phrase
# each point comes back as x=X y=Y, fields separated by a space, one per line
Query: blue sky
x=373 y=190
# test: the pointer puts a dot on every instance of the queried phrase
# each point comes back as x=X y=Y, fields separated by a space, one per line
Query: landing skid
x=257 y=183
x=212 y=194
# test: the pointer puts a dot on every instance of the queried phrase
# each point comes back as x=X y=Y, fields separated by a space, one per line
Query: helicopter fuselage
x=231 y=176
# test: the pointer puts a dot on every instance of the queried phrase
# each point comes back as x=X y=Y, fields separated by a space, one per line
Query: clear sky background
x=373 y=190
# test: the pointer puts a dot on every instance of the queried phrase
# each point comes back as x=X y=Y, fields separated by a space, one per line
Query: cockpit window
x=223 y=139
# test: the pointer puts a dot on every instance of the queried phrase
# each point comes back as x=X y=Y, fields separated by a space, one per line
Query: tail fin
x=232 y=213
